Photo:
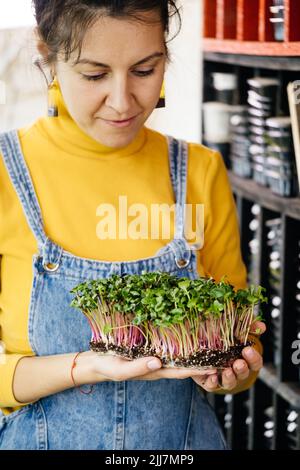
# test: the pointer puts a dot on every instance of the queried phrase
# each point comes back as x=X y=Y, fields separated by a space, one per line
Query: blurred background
x=227 y=87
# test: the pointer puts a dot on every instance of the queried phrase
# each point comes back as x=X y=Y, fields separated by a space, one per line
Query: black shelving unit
x=254 y=61
x=268 y=415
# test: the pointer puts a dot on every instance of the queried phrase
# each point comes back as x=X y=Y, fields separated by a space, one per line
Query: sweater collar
x=66 y=134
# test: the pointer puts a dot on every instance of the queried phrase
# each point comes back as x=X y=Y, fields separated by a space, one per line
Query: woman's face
x=118 y=77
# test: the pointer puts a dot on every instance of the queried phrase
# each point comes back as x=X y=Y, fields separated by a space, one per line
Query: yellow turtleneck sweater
x=72 y=175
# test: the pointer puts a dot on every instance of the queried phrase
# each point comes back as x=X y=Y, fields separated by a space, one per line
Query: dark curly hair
x=61 y=24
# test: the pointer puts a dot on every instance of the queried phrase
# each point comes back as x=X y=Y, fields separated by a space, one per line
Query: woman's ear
x=41 y=45
x=43 y=49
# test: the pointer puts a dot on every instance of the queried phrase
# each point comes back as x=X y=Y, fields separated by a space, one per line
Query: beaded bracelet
x=75 y=385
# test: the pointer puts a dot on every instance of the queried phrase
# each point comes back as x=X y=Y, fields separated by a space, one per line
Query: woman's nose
x=120 y=98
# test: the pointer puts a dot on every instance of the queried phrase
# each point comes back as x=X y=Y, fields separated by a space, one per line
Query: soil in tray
x=203 y=359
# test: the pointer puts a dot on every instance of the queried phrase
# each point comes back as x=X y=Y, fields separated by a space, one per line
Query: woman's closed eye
x=139 y=73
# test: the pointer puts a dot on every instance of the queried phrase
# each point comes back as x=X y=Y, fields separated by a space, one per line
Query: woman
x=107 y=61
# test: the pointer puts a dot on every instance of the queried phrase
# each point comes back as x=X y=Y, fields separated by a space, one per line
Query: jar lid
x=279 y=122
x=259 y=112
x=217 y=106
x=255 y=149
x=278 y=149
x=261 y=82
x=224 y=81
x=279 y=134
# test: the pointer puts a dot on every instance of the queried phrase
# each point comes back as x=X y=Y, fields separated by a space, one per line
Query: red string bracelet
x=75 y=385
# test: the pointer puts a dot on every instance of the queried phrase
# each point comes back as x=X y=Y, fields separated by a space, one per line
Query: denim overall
x=151 y=415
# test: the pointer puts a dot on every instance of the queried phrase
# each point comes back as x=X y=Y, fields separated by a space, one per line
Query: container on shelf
x=277 y=19
x=259 y=113
x=280 y=152
x=258 y=162
x=240 y=145
x=254 y=244
x=268 y=426
x=264 y=86
x=225 y=86
x=279 y=139
x=282 y=172
x=283 y=185
x=263 y=106
x=281 y=123
x=240 y=130
x=224 y=81
x=262 y=94
x=260 y=98
x=292 y=426
x=239 y=151
x=216 y=121
x=279 y=132
x=241 y=166
x=274 y=250
x=257 y=139
x=258 y=130
x=256 y=149
x=239 y=121
x=259 y=173
x=283 y=168
x=255 y=121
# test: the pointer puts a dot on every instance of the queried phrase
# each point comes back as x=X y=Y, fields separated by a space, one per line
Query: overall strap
x=21 y=180
x=178 y=156
x=178 y=161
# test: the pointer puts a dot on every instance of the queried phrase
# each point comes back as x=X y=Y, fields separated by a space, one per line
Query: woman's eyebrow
x=99 y=64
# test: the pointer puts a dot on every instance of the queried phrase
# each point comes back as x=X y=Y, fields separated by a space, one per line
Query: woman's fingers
x=241 y=369
x=209 y=383
x=258 y=328
x=176 y=373
x=229 y=380
x=119 y=369
x=253 y=358
x=225 y=379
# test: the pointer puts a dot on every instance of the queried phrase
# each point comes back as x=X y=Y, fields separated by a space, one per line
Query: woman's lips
x=126 y=123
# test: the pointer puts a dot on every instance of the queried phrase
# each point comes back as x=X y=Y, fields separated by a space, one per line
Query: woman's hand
x=240 y=370
x=115 y=368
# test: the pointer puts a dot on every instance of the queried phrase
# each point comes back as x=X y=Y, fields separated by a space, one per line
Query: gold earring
x=162 y=98
x=52 y=87
x=52 y=98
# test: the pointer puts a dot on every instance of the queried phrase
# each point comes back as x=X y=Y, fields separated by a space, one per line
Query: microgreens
x=171 y=315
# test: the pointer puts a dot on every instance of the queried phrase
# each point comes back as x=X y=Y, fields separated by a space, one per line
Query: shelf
x=256 y=48
x=247 y=53
x=249 y=189
x=289 y=391
x=245 y=60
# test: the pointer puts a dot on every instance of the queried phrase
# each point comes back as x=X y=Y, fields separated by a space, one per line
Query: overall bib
x=152 y=415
